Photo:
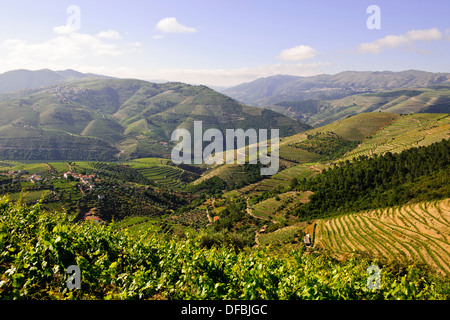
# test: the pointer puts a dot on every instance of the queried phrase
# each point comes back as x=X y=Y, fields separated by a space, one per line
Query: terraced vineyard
x=405 y=132
x=59 y=167
x=163 y=175
x=284 y=235
x=7 y=165
x=227 y=172
x=281 y=179
x=417 y=233
x=155 y=169
x=275 y=208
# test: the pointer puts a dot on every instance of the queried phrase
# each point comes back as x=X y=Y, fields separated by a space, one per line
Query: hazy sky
x=223 y=42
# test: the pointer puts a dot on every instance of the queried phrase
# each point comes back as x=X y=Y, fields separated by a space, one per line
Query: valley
x=117 y=119
x=324 y=99
x=92 y=158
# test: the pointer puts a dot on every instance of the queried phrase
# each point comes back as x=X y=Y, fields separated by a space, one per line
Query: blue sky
x=224 y=42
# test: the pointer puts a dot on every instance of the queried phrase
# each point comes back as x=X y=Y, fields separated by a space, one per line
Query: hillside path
x=249 y=211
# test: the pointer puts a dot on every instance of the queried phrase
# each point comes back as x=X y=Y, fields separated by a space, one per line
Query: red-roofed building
x=90 y=216
x=93 y=218
x=67 y=174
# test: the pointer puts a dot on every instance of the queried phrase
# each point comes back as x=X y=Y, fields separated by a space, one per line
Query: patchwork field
x=405 y=132
x=276 y=208
x=291 y=153
x=355 y=128
x=226 y=172
x=416 y=233
x=280 y=180
x=29 y=196
x=7 y=165
x=283 y=235
x=157 y=171
x=59 y=167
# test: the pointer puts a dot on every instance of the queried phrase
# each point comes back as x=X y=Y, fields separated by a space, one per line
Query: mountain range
x=49 y=114
x=372 y=183
x=28 y=79
x=107 y=119
x=322 y=99
x=275 y=89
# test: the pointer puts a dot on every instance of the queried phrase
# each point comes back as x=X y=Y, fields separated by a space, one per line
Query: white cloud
x=171 y=25
x=67 y=47
x=64 y=29
x=424 y=35
x=63 y=47
x=447 y=34
x=109 y=34
x=298 y=53
x=406 y=40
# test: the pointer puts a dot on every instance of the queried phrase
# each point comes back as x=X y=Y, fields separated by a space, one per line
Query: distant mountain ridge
x=16 y=80
x=323 y=99
x=108 y=119
x=275 y=89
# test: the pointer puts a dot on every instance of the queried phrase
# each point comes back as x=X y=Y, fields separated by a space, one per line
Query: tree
x=294 y=183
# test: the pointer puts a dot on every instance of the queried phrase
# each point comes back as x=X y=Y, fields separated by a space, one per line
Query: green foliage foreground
x=37 y=247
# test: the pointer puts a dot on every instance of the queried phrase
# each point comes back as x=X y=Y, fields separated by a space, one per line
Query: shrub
x=37 y=247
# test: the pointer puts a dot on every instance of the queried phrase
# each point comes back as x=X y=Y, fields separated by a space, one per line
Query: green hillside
x=372 y=133
x=414 y=233
x=278 y=89
x=96 y=188
x=159 y=230
x=325 y=99
x=26 y=79
x=118 y=265
x=306 y=154
x=405 y=132
x=334 y=140
x=319 y=112
x=123 y=118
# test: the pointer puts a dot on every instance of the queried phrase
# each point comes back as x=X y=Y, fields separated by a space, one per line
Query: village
x=23 y=175
x=17 y=180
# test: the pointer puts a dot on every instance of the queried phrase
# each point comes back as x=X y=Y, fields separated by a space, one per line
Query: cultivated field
x=418 y=233
x=287 y=234
x=276 y=208
x=161 y=174
x=281 y=179
x=404 y=133
x=7 y=165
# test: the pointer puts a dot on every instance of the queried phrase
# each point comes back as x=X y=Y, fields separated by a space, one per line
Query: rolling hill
x=275 y=89
x=389 y=207
x=106 y=119
x=306 y=154
x=324 y=99
x=16 y=80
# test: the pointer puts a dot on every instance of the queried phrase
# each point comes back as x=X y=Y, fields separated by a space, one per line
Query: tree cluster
x=418 y=174
x=327 y=144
